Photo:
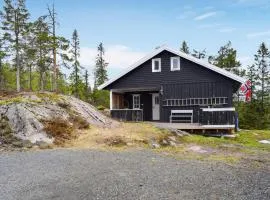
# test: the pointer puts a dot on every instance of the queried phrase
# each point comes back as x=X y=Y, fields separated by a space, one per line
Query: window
x=136 y=101
x=156 y=65
x=175 y=63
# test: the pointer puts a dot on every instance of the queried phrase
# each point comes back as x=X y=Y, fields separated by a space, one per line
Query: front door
x=155 y=106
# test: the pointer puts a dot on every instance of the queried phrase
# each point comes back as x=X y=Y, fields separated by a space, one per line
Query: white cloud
x=226 y=30
x=245 y=60
x=258 y=34
x=118 y=56
x=205 y=15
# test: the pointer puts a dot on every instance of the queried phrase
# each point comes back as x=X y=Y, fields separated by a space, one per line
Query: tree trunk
x=30 y=78
x=55 y=70
x=1 y=76
x=41 y=81
x=17 y=66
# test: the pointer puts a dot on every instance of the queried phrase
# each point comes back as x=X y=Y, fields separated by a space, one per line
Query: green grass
x=12 y=100
x=245 y=139
x=251 y=138
x=54 y=97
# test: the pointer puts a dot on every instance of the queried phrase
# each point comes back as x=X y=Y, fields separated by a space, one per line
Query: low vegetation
x=143 y=135
x=127 y=134
x=64 y=131
x=60 y=130
x=245 y=138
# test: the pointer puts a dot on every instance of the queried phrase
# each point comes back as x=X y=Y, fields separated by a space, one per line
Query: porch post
x=111 y=100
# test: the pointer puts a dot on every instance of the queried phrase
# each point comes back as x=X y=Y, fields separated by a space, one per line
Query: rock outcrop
x=26 y=113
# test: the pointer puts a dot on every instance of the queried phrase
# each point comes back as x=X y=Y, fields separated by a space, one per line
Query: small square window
x=175 y=63
x=156 y=65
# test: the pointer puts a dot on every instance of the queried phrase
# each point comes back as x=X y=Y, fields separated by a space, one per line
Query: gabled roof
x=182 y=55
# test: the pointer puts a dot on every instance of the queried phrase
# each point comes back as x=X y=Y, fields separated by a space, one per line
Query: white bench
x=181 y=116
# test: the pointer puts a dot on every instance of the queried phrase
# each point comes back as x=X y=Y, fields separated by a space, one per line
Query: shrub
x=63 y=105
x=252 y=117
x=100 y=107
x=60 y=130
x=78 y=122
x=100 y=98
x=116 y=141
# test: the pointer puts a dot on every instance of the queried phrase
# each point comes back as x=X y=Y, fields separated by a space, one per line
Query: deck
x=193 y=126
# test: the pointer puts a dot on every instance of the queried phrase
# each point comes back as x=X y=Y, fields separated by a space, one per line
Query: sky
x=131 y=29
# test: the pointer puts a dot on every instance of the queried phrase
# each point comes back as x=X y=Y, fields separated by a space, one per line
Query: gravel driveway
x=87 y=174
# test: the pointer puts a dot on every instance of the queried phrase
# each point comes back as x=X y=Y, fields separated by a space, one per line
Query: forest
x=34 y=56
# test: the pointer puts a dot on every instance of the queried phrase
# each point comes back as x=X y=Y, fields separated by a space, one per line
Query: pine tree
x=2 y=56
x=86 y=82
x=60 y=46
x=15 y=17
x=263 y=63
x=52 y=16
x=43 y=47
x=29 y=55
x=100 y=72
x=227 y=59
x=75 y=54
x=87 y=88
x=199 y=54
x=253 y=77
x=184 y=47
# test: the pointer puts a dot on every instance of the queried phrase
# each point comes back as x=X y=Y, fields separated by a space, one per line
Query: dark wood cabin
x=170 y=86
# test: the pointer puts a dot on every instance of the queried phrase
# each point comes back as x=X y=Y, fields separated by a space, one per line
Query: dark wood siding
x=192 y=81
x=190 y=72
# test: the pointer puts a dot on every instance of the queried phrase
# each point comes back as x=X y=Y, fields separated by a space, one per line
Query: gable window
x=175 y=63
x=156 y=65
x=136 y=101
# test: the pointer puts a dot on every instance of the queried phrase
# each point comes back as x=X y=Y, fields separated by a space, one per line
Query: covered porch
x=135 y=104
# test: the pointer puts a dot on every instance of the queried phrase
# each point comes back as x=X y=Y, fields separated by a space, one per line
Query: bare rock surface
x=26 y=114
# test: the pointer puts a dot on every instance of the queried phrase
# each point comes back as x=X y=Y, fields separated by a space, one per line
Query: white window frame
x=153 y=65
x=178 y=67
x=133 y=105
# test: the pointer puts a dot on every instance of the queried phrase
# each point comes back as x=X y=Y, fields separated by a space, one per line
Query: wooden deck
x=193 y=126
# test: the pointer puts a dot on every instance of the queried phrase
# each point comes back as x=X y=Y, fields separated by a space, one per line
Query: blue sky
x=130 y=29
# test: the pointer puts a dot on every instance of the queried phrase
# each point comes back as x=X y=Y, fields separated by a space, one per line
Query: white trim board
x=183 y=55
x=219 y=126
x=217 y=109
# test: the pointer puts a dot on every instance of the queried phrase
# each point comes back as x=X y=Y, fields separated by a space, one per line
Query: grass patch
x=116 y=141
x=13 y=100
x=224 y=158
x=78 y=122
x=129 y=134
x=244 y=139
x=49 y=96
x=251 y=138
